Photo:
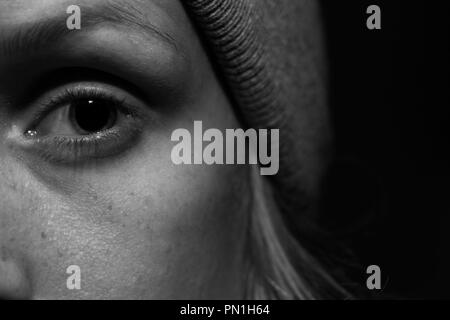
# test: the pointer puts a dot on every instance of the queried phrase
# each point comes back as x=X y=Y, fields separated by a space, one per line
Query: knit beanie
x=269 y=55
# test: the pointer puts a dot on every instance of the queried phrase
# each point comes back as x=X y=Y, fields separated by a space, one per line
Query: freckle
x=110 y=207
x=60 y=254
x=43 y=235
x=132 y=194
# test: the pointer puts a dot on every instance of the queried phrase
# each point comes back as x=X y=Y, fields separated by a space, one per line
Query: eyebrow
x=31 y=37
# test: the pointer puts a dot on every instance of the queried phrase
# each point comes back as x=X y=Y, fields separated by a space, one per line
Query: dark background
x=387 y=194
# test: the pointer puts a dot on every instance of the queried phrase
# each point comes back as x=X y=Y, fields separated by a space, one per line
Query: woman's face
x=112 y=203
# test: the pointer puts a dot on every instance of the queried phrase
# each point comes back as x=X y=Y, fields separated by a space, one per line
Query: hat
x=269 y=54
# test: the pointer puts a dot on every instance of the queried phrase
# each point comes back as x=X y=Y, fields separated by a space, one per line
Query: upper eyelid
x=70 y=77
x=70 y=94
x=159 y=68
x=56 y=100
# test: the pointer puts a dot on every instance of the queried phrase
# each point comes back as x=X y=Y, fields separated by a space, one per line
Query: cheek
x=183 y=225
x=151 y=229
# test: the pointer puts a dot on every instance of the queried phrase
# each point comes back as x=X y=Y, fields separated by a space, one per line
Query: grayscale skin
x=138 y=226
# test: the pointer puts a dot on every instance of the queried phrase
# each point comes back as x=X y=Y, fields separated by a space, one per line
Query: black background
x=387 y=193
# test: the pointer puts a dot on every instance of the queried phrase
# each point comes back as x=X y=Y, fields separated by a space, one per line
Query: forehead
x=16 y=12
x=24 y=23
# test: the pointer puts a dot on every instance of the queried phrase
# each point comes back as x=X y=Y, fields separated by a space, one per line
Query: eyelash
x=74 y=149
x=71 y=94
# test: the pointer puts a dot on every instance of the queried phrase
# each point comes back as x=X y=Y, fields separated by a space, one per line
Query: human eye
x=83 y=122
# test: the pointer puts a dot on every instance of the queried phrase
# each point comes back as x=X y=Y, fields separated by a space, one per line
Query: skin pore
x=138 y=226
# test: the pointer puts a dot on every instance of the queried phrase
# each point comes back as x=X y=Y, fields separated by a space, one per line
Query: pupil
x=92 y=116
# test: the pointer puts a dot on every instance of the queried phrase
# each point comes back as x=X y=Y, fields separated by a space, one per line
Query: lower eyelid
x=67 y=150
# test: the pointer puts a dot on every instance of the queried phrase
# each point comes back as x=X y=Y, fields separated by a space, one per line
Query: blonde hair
x=279 y=267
